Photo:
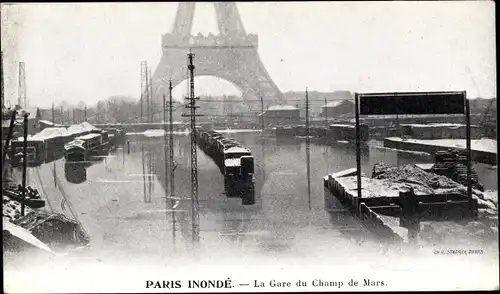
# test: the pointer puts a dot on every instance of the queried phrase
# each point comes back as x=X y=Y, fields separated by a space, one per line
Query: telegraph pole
x=171 y=144
x=85 y=112
x=25 y=158
x=146 y=200
x=144 y=87
x=54 y=164
x=1 y=79
x=150 y=153
x=166 y=144
x=171 y=161
x=53 y=119
x=194 y=164
x=150 y=90
x=262 y=112
x=326 y=114
x=308 y=151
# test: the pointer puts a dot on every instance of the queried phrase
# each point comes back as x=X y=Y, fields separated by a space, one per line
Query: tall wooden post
x=262 y=113
x=308 y=155
x=326 y=114
x=25 y=159
x=358 y=148
x=469 y=153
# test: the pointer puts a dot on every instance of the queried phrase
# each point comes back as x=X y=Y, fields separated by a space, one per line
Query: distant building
x=337 y=108
x=281 y=115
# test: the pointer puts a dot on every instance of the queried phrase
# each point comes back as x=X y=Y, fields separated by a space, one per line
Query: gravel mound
x=421 y=180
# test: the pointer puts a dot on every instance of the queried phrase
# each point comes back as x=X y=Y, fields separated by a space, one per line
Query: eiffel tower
x=231 y=55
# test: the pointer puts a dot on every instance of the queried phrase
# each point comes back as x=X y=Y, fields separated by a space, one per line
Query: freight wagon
x=235 y=163
x=35 y=151
x=82 y=147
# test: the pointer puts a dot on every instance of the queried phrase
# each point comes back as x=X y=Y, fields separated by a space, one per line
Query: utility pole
x=150 y=90
x=62 y=116
x=151 y=115
x=25 y=158
x=171 y=144
x=326 y=114
x=144 y=87
x=262 y=113
x=308 y=155
x=85 y=112
x=54 y=164
x=146 y=199
x=1 y=80
x=171 y=161
x=398 y=134
x=53 y=119
x=194 y=164
x=147 y=95
x=22 y=99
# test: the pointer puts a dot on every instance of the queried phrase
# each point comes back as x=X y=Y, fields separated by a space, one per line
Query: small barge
x=235 y=163
x=82 y=147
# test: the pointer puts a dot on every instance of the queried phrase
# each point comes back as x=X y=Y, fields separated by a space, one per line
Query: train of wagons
x=235 y=163
x=52 y=143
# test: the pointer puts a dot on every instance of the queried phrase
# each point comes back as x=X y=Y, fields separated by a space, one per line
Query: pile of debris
x=52 y=229
x=485 y=228
x=12 y=209
x=419 y=179
x=453 y=164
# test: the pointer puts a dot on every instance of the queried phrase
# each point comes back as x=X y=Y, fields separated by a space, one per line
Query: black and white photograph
x=195 y=147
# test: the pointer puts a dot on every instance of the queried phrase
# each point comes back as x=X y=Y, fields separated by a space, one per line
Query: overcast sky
x=91 y=51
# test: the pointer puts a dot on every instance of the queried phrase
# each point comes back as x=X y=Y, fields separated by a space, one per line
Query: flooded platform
x=380 y=208
x=483 y=150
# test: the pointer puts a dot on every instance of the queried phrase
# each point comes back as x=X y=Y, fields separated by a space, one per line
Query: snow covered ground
x=434 y=125
x=484 y=144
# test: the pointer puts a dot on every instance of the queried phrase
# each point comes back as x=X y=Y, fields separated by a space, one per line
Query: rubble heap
x=51 y=228
x=486 y=227
x=419 y=179
x=54 y=228
x=453 y=164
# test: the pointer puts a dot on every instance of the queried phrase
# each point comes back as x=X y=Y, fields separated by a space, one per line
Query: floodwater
x=121 y=202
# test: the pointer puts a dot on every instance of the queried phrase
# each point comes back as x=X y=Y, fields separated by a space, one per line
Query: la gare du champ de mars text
x=177 y=284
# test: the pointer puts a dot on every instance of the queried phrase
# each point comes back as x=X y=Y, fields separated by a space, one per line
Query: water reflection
x=75 y=172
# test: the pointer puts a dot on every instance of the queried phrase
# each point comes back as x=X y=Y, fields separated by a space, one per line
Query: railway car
x=82 y=147
x=235 y=162
x=35 y=151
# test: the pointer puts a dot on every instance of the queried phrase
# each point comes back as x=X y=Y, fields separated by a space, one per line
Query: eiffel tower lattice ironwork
x=231 y=55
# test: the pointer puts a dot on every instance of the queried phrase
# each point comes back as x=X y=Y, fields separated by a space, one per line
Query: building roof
x=337 y=103
x=237 y=150
x=88 y=136
x=282 y=107
x=48 y=133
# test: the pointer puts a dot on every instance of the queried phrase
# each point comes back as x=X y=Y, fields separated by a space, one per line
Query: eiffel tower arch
x=231 y=55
